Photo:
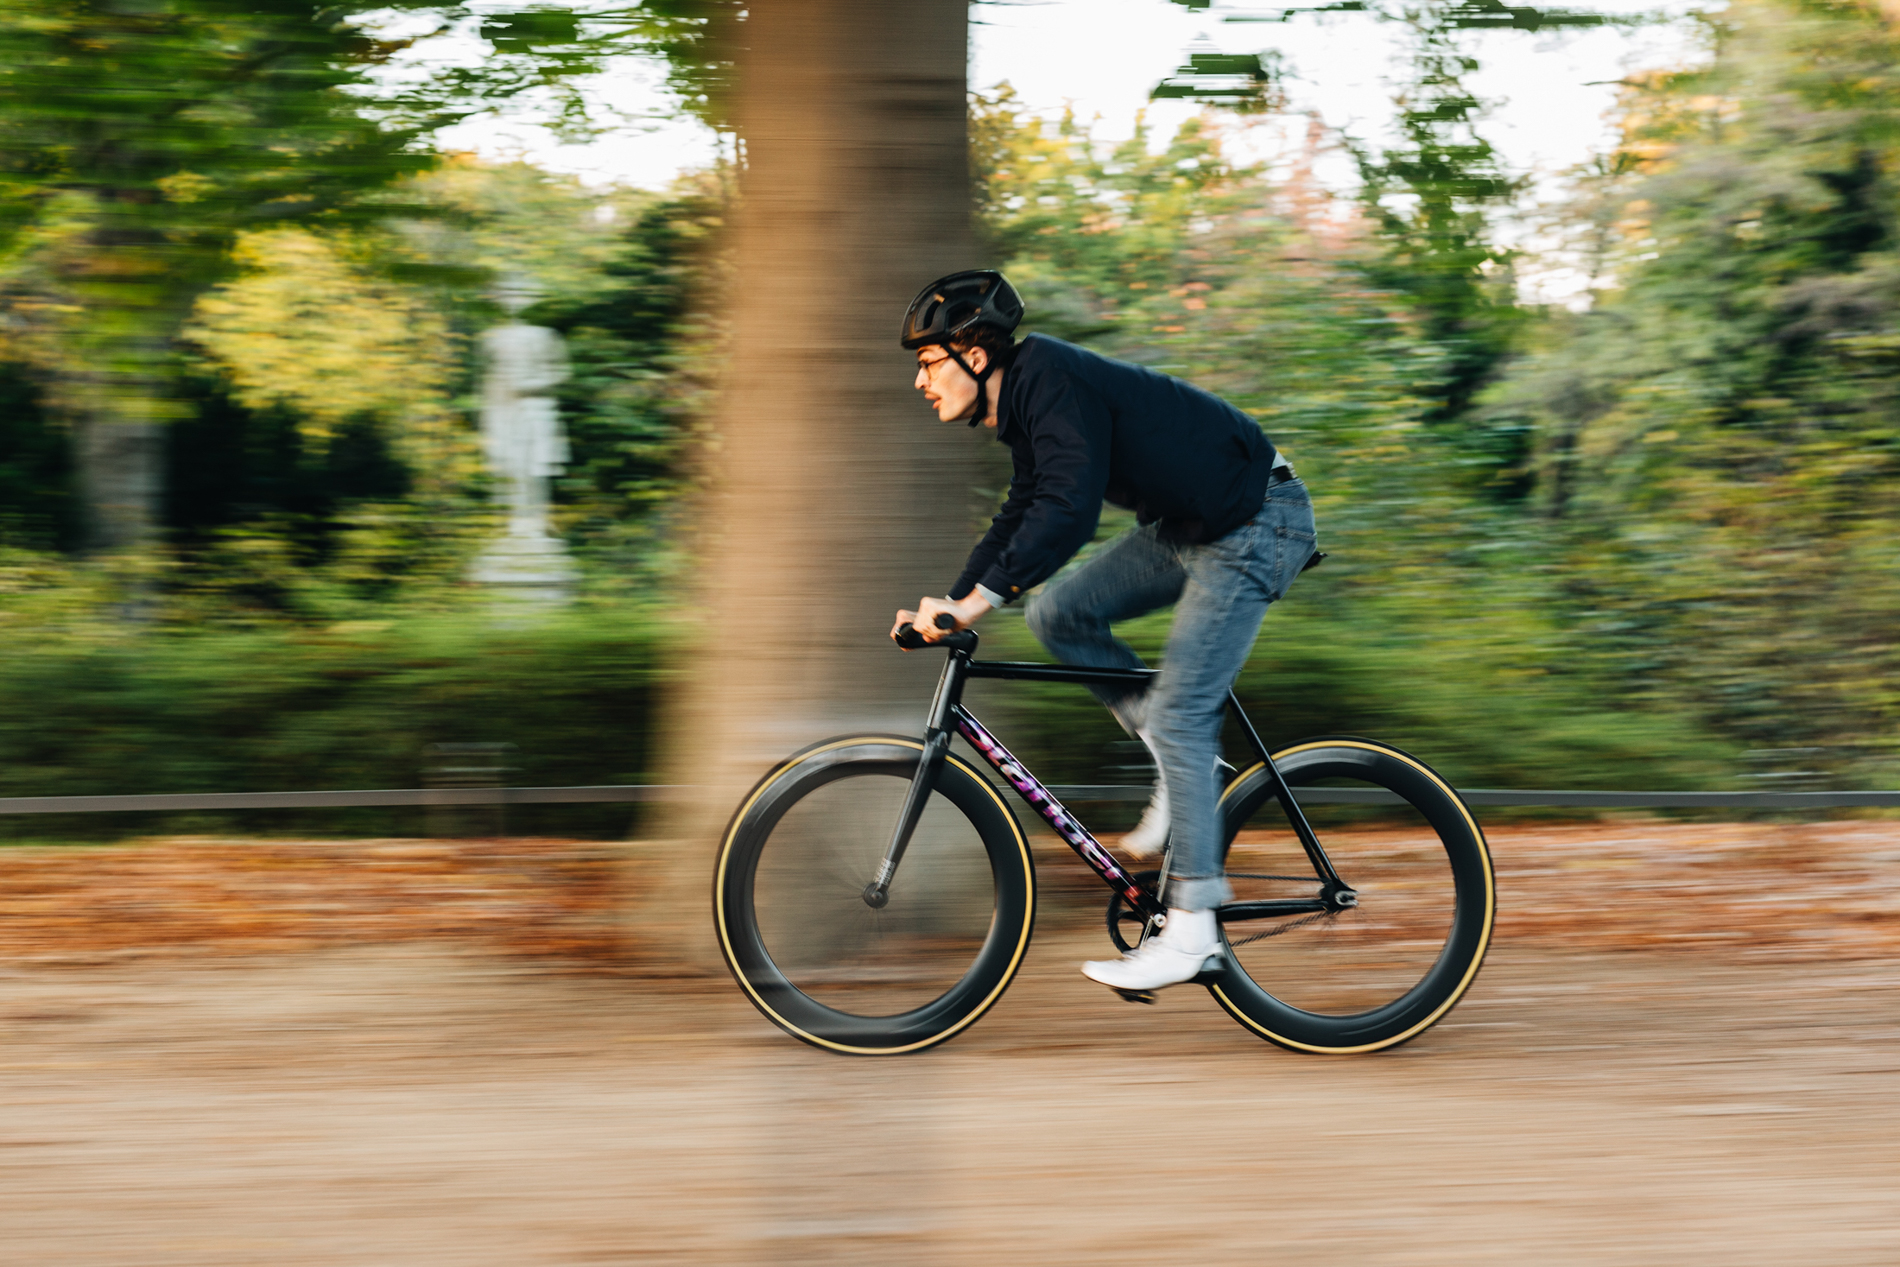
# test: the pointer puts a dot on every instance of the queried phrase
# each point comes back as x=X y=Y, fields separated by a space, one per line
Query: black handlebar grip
x=909 y=639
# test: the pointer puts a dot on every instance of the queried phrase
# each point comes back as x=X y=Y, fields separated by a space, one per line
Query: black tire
x=1378 y=974
x=829 y=969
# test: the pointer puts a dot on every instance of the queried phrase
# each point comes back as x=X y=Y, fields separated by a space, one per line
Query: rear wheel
x=1378 y=973
x=831 y=969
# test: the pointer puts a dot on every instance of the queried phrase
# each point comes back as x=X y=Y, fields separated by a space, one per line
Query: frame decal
x=1076 y=836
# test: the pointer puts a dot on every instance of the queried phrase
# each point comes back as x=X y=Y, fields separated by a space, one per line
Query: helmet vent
x=962 y=301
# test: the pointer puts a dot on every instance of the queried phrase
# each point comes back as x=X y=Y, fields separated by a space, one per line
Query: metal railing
x=176 y=802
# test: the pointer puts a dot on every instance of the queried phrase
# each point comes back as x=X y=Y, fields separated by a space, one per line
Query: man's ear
x=977 y=359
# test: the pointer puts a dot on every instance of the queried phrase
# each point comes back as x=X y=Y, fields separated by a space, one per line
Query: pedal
x=1134 y=996
x=1212 y=971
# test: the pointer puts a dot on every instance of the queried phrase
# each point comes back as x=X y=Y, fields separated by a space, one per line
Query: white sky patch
x=1550 y=99
x=1102 y=57
x=648 y=152
x=1551 y=94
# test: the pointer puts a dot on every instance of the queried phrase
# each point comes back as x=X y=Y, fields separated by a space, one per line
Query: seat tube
x=937 y=736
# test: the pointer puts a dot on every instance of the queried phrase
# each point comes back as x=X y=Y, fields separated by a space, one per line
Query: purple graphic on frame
x=1073 y=833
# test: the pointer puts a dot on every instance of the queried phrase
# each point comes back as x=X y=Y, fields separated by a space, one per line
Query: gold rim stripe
x=1490 y=906
x=725 y=941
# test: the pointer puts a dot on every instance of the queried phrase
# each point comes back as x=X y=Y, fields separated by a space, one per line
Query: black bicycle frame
x=948 y=717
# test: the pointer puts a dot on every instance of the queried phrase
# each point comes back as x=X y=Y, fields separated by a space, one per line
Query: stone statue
x=526 y=448
x=521 y=425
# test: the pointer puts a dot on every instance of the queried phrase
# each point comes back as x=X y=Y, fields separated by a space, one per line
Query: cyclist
x=1224 y=526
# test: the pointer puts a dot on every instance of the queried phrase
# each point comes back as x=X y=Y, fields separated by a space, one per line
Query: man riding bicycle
x=1223 y=527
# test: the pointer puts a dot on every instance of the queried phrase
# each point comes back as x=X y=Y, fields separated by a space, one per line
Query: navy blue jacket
x=1084 y=429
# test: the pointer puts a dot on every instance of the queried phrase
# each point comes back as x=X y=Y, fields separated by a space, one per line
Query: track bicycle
x=874 y=894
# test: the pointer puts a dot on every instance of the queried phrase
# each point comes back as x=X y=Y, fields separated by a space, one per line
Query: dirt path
x=415 y=1104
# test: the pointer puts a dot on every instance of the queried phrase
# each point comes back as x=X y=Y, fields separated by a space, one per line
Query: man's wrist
x=988 y=595
x=971 y=608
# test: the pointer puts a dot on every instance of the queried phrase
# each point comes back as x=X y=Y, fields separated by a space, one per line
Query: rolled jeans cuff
x=1198 y=893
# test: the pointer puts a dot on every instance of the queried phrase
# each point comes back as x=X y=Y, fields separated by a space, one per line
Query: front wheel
x=836 y=971
x=1378 y=973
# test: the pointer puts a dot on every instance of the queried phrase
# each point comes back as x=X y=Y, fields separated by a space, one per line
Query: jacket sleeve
x=1069 y=432
x=1022 y=490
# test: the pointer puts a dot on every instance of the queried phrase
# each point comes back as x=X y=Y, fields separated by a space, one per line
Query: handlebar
x=910 y=639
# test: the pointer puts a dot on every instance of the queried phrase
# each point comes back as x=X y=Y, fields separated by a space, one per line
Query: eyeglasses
x=930 y=367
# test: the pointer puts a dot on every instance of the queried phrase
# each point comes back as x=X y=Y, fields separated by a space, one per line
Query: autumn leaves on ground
x=1784 y=890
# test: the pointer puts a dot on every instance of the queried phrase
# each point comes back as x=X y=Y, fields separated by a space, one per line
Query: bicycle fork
x=937 y=736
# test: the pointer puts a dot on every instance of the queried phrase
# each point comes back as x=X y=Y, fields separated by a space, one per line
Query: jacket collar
x=1006 y=420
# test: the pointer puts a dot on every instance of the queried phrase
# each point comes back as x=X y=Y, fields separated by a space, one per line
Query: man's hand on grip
x=962 y=612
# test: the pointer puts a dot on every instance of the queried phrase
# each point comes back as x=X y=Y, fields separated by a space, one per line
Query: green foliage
x=1249 y=83
x=643 y=355
x=269 y=524
x=342 y=383
x=323 y=467
x=136 y=141
x=1719 y=453
x=1435 y=623
x=348 y=706
x=1051 y=202
x=1463 y=15
x=1435 y=198
x=1647 y=545
x=37 y=506
x=139 y=142
x=553 y=48
x=1465 y=692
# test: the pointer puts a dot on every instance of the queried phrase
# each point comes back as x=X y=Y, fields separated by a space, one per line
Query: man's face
x=952 y=393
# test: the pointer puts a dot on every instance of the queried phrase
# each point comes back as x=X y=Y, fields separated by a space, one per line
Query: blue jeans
x=1220 y=592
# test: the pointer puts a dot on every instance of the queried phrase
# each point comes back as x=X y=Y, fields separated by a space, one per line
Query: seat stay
x=1334 y=890
x=1060 y=820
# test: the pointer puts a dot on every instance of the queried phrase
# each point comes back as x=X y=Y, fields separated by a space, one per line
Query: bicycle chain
x=1284 y=928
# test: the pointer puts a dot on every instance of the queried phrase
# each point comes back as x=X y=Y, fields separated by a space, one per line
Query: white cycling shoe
x=1151 y=833
x=1178 y=953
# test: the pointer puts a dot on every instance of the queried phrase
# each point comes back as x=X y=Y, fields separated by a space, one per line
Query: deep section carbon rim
x=843 y=975
x=1383 y=971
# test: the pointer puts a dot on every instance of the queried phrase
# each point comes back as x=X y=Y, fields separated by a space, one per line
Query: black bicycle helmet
x=959 y=303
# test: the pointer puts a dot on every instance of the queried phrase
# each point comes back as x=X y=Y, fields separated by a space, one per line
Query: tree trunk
x=110 y=368
x=120 y=466
x=835 y=496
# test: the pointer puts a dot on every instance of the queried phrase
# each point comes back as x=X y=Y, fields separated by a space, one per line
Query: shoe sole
x=1213 y=970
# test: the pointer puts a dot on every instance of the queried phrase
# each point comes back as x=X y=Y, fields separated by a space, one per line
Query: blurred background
x=414 y=394
x=1602 y=437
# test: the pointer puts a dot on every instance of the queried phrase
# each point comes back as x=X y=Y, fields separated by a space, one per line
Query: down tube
x=1058 y=818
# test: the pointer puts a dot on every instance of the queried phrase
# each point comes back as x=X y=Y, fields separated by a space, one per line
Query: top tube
x=1030 y=671
x=962 y=645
